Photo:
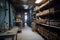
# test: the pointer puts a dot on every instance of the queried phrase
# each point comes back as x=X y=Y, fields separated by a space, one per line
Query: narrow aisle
x=27 y=34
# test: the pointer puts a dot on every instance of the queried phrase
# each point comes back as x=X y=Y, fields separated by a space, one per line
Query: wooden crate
x=34 y=27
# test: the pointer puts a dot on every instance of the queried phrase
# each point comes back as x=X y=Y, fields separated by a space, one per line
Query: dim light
x=38 y=1
x=25 y=6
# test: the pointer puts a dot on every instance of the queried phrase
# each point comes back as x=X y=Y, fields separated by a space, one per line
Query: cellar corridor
x=29 y=20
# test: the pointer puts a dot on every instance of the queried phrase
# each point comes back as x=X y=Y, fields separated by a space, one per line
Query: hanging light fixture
x=38 y=1
x=25 y=6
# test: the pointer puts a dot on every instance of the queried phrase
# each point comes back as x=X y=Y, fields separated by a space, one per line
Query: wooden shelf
x=48 y=25
x=47 y=5
x=49 y=13
x=50 y=10
x=48 y=31
x=38 y=7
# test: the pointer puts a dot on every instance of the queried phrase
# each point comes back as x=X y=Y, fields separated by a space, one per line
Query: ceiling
x=22 y=3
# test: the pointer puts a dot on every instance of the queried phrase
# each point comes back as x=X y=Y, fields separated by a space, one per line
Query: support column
x=9 y=15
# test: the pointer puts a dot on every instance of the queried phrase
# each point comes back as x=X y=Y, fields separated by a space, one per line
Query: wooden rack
x=48 y=11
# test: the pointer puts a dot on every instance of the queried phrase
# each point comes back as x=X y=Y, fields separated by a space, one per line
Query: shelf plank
x=38 y=7
x=48 y=25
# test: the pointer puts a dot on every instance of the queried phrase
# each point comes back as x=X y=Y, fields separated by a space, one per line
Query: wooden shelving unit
x=48 y=19
x=49 y=31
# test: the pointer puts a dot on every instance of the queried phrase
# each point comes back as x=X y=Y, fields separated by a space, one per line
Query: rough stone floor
x=28 y=34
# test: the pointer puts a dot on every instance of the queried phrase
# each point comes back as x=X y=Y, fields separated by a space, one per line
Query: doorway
x=25 y=18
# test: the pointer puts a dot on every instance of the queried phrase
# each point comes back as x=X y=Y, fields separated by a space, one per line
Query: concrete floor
x=28 y=34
